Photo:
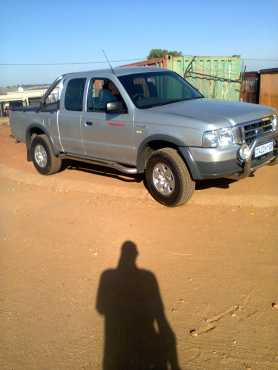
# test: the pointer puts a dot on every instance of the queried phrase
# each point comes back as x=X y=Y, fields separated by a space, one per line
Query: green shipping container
x=214 y=77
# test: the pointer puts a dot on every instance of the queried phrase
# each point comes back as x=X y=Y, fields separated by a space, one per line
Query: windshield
x=152 y=89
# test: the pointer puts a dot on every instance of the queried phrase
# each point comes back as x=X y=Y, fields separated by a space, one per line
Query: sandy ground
x=205 y=286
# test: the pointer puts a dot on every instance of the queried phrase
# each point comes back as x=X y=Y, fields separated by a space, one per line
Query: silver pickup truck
x=148 y=121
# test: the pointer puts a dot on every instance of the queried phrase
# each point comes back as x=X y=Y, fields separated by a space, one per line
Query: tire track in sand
x=203 y=198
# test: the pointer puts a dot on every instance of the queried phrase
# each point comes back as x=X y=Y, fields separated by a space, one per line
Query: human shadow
x=137 y=333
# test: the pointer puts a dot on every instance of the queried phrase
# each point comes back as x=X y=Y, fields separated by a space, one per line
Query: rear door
x=49 y=111
x=106 y=135
x=70 y=116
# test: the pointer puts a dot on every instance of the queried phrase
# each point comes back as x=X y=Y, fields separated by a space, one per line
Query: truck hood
x=215 y=111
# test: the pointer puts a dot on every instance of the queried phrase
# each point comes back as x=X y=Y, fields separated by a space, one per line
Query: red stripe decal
x=116 y=123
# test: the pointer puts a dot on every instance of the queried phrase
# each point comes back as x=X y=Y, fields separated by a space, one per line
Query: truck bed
x=20 y=118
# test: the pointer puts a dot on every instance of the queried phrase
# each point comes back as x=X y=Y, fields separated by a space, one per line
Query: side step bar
x=100 y=162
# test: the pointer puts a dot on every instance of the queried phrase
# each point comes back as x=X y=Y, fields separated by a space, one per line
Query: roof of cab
x=118 y=71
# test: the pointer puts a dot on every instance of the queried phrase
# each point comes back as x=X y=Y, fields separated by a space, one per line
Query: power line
x=262 y=59
x=112 y=61
x=70 y=63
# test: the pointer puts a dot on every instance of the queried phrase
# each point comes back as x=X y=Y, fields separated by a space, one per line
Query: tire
x=168 y=179
x=43 y=156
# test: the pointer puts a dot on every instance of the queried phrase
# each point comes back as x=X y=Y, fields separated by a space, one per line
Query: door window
x=101 y=92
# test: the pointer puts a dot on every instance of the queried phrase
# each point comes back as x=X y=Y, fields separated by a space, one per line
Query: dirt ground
x=204 y=294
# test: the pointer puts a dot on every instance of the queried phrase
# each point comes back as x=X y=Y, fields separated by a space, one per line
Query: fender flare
x=142 y=154
x=182 y=149
x=190 y=162
x=28 y=139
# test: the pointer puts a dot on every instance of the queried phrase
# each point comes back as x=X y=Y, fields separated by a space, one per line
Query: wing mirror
x=115 y=107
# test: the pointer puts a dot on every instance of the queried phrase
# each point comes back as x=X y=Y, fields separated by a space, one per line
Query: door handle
x=89 y=123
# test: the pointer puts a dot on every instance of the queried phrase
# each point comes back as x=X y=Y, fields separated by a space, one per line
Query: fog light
x=244 y=152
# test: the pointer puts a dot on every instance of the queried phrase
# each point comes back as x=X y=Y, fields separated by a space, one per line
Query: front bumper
x=207 y=163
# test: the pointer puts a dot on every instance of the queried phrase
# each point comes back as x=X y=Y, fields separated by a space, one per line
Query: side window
x=52 y=100
x=101 y=92
x=74 y=94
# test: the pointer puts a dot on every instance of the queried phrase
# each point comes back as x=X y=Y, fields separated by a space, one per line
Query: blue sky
x=75 y=31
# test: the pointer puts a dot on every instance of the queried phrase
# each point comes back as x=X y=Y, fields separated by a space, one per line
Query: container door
x=215 y=77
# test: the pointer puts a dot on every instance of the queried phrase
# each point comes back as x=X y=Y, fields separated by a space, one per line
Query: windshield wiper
x=197 y=97
x=153 y=105
x=186 y=99
x=169 y=102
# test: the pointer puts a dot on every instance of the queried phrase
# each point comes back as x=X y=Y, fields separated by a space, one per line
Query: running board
x=99 y=162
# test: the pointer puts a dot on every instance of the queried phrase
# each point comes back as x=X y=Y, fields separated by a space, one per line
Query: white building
x=20 y=98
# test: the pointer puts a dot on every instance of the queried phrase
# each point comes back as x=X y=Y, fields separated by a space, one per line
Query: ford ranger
x=146 y=121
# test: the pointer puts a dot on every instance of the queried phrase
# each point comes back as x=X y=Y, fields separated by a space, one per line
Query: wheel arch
x=153 y=143
x=37 y=129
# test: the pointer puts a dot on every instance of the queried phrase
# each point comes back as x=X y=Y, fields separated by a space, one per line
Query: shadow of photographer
x=137 y=333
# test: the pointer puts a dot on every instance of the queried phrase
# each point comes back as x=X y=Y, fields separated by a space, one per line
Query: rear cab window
x=51 y=100
x=74 y=94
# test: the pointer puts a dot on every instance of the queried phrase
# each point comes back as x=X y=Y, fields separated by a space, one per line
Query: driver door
x=107 y=135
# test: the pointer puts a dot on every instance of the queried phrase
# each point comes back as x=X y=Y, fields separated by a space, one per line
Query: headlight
x=274 y=122
x=221 y=137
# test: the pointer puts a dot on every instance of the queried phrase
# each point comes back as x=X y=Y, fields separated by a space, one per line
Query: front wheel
x=167 y=178
x=43 y=157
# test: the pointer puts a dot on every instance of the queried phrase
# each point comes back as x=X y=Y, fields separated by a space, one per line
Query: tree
x=159 y=53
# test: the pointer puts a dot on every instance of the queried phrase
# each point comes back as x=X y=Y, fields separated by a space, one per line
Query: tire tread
x=187 y=184
x=55 y=161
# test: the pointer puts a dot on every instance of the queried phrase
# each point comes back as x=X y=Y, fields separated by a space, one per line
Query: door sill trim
x=118 y=166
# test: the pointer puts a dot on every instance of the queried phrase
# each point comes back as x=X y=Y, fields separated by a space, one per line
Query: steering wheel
x=138 y=96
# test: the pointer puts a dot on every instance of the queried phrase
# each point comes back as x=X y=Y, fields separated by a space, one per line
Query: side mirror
x=115 y=107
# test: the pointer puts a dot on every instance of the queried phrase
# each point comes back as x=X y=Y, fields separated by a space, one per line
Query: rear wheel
x=168 y=179
x=43 y=156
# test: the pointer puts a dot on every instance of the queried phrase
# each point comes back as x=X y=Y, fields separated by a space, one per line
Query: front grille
x=256 y=129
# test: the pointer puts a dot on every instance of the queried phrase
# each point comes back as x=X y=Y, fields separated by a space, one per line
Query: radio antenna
x=108 y=61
